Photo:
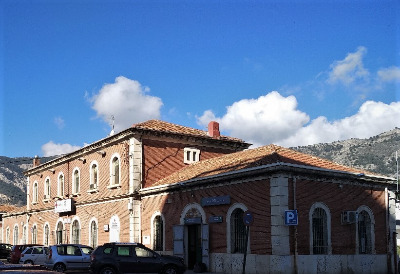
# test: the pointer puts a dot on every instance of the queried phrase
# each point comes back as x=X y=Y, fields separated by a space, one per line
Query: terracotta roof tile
x=252 y=158
x=158 y=125
x=10 y=208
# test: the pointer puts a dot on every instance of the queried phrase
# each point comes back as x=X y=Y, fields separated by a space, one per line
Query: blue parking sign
x=291 y=217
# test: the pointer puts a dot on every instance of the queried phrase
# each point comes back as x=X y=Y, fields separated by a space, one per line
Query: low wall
x=233 y=263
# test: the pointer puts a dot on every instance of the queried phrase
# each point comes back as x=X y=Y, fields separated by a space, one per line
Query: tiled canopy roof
x=161 y=126
x=252 y=158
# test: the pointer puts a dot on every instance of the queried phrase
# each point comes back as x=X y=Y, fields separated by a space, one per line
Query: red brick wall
x=68 y=168
x=163 y=158
x=254 y=195
x=349 y=197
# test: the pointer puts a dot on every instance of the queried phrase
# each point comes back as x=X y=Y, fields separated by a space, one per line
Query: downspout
x=295 y=227
x=388 y=236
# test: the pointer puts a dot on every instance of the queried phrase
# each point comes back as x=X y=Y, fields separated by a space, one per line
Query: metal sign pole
x=248 y=220
x=245 y=250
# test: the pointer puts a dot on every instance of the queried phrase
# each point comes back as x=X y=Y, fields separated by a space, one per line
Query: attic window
x=191 y=155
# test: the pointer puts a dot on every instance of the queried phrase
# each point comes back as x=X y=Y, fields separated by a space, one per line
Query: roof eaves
x=269 y=167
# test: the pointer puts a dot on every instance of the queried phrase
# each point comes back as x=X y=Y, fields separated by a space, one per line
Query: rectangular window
x=191 y=155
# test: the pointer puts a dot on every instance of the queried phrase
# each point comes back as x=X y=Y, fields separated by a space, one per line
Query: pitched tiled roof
x=253 y=158
x=161 y=126
x=10 y=208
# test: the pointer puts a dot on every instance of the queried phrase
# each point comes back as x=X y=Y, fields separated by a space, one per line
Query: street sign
x=291 y=217
x=248 y=218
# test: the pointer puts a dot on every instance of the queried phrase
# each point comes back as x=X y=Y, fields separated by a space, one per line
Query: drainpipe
x=388 y=236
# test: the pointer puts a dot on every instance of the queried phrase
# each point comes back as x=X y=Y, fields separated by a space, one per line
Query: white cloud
x=51 y=149
x=391 y=74
x=126 y=100
x=264 y=120
x=371 y=119
x=276 y=119
x=350 y=69
x=60 y=123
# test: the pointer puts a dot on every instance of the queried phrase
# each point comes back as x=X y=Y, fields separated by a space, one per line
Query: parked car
x=33 y=255
x=16 y=251
x=64 y=257
x=112 y=258
x=5 y=250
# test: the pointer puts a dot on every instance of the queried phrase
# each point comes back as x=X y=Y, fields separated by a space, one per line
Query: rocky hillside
x=12 y=179
x=376 y=154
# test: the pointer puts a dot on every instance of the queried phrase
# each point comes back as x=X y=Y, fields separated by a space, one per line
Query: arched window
x=47 y=192
x=365 y=231
x=158 y=233
x=75 y=232
x=60 y=186
x=94 y=173
x=76 y=181
x=59 y=233
x=34 y=234
x=24 y=234
x=115 y=170
x=46 y=235
x=93 y=234
x=238 y=231
x=35 y=193
x=8 y=235
x=16 y=232
x=320 y=240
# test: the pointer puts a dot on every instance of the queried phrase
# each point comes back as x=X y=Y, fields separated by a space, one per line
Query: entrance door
x=194 y=245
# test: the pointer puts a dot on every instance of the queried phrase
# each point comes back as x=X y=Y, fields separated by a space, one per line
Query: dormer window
x=191 y=155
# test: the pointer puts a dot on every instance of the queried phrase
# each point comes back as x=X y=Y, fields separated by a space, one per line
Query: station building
x=210 y=199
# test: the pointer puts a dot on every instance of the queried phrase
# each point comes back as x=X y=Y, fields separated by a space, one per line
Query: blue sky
x=284 y=72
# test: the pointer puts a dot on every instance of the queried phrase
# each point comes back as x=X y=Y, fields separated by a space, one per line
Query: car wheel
x=28 y=262
x=170 y=269
x=108 y=270
x=59 y=267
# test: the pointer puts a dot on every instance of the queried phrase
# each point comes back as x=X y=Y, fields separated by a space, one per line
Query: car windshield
x=87 y=250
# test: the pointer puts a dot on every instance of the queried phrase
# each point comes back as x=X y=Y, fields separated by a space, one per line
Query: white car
x=34 y=255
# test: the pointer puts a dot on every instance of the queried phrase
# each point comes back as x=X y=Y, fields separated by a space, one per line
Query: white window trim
x=157 y=213
x=8 y=231
x=95 y=187
x=60 y=191
x=35 y=192
x=328 y=217
x=46 y=196
x=76 y=218
x=372 y=218
x=192 y=151
x=93 y=219
x=228 y=227
x=112 y=184
x=15 y=240
x=74 y=191
x=34 y=228
x=44 y=233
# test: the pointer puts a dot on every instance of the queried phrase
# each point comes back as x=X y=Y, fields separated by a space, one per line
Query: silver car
x=33 y=255
x=68 y=257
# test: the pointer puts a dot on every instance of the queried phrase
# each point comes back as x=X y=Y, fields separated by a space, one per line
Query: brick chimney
x=36 y=161
x=213 y=129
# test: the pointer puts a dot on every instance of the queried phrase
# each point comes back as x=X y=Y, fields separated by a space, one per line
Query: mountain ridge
x=375 y=154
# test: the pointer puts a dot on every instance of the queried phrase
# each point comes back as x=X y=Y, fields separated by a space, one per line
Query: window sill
x=34 y=203
x=76 y=194
x=114 y=186
x=46 y=200
x=93 y=190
